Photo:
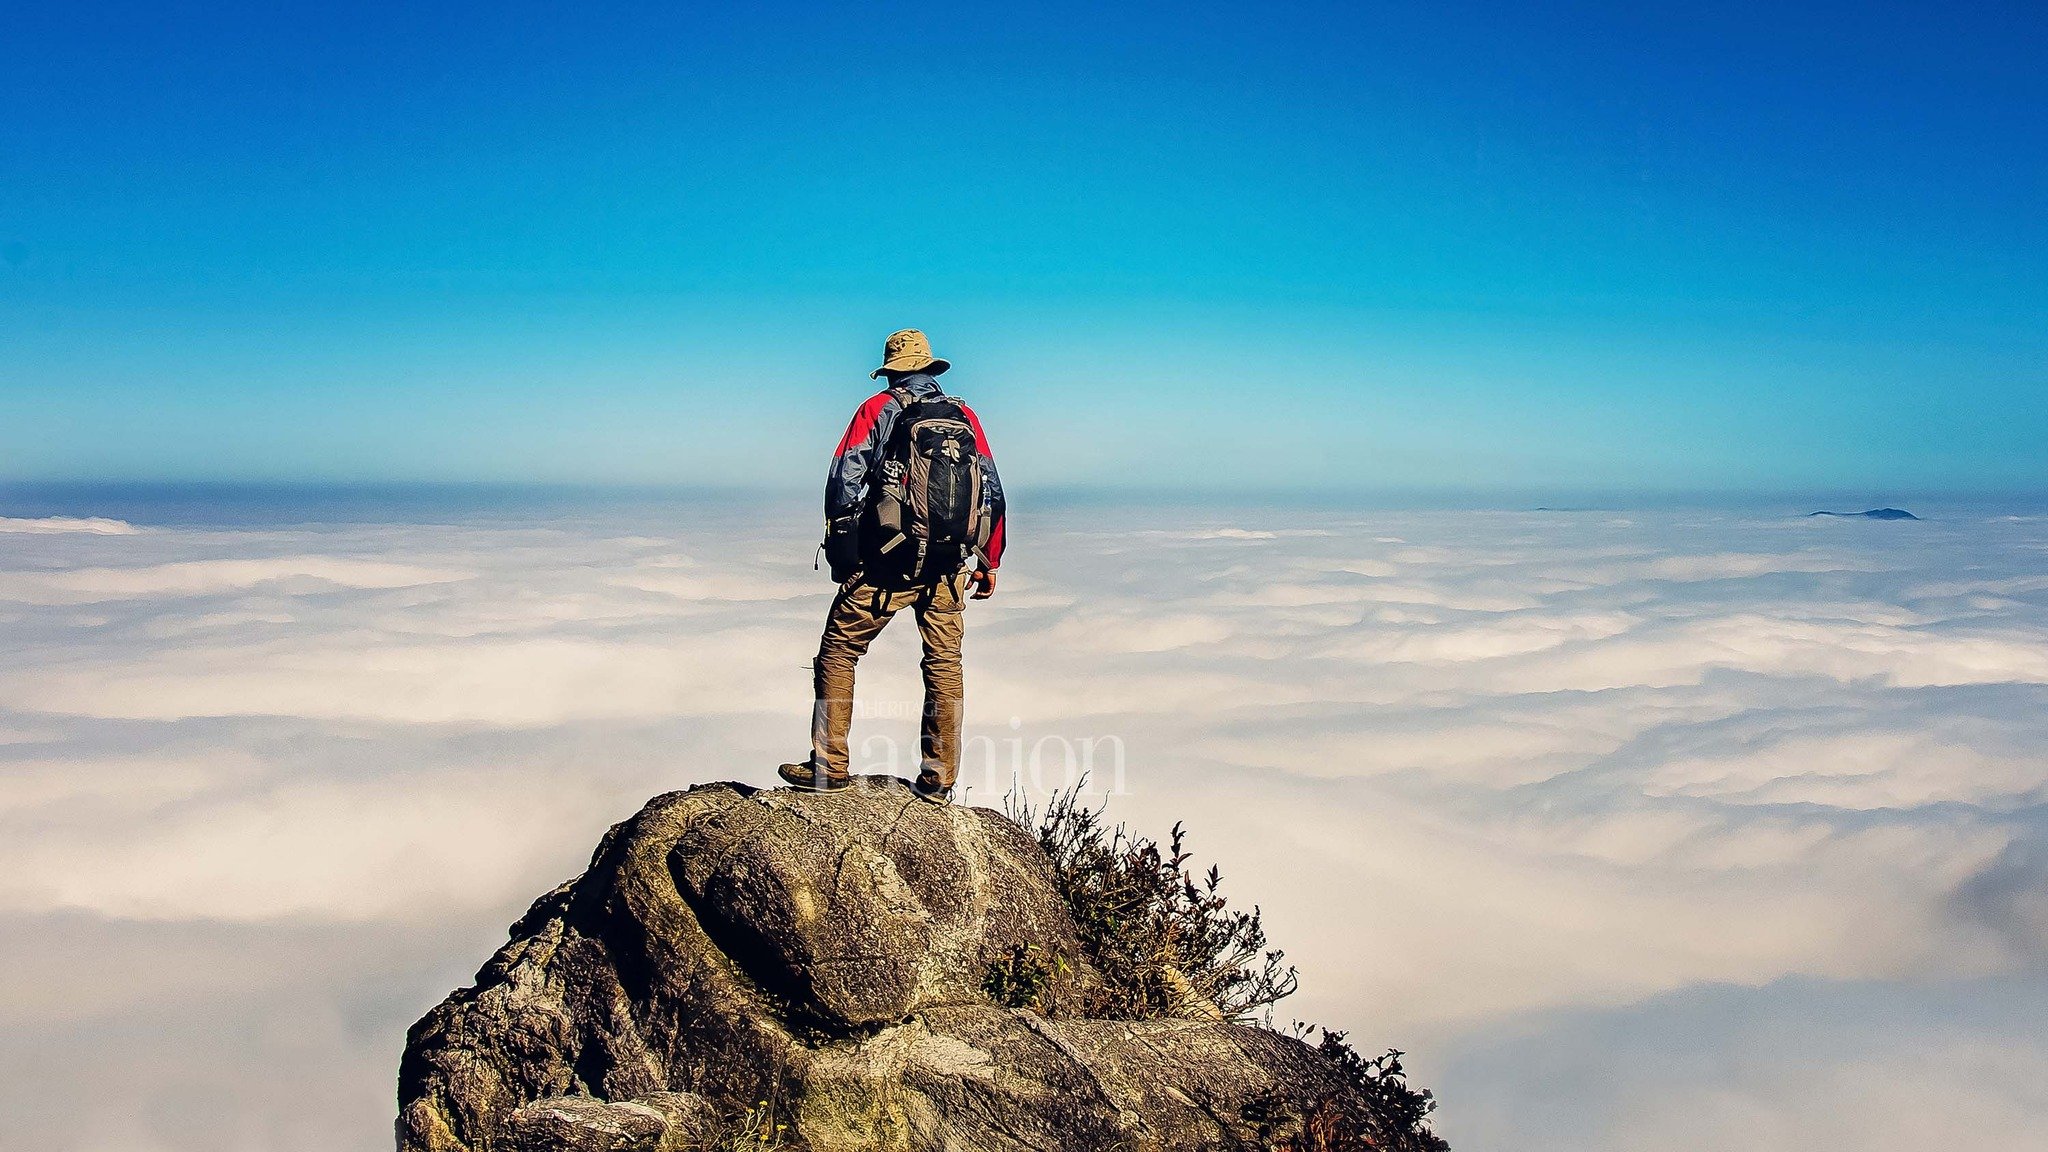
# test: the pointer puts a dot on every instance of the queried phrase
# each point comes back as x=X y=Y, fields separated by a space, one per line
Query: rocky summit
x=778 y=969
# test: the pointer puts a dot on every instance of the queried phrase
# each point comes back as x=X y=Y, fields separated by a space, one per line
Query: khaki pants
x=858 y=615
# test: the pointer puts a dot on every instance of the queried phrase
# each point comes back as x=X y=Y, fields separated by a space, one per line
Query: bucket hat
x=909 y=351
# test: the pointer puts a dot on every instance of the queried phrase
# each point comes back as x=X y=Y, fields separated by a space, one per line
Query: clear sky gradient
x=1348 y=248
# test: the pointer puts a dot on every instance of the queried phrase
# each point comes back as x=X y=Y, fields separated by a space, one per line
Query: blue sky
x=1345 y=248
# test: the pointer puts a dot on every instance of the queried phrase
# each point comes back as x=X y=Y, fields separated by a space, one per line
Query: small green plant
x=1396 y=1119
x=754 y=1130
x=1164 y=938
x=1167 y=943
x=1021 y=978
x=1401 y=1109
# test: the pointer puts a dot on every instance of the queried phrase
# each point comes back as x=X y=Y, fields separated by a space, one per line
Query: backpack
x=929 y=510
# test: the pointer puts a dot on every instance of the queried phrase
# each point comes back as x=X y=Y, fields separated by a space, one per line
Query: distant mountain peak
x=1873 y=514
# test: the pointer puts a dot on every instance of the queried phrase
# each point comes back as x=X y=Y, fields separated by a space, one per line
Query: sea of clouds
x=1661 y=829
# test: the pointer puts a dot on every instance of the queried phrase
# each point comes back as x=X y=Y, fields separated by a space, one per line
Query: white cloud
x=95 y=525
x=180 y=845
x=204 y=577
x=1481 y=769
x=1786 y=1067
x=509 y=681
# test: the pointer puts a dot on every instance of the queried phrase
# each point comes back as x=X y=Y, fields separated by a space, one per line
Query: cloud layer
x=1574 y=806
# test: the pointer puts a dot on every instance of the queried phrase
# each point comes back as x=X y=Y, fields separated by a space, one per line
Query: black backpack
x=929 y=512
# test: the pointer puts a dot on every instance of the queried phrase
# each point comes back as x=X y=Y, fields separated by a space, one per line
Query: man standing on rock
x=914 y=513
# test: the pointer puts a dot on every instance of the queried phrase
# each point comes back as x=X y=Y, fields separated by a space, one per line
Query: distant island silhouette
x=1873 y=514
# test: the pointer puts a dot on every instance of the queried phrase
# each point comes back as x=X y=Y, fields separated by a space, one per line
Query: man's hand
x=984 y=583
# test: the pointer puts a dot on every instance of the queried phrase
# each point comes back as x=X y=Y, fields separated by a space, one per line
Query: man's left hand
x=984 y=583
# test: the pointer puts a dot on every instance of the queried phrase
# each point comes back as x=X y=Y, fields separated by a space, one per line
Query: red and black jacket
x=846 y=487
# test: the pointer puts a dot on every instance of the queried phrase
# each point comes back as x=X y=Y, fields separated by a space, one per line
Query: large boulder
x=735 y=958
x=858 y=908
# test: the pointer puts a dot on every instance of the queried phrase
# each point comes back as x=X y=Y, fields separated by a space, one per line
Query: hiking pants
x=858 y=615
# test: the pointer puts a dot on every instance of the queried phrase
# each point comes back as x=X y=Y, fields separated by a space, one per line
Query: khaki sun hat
x=909 y=351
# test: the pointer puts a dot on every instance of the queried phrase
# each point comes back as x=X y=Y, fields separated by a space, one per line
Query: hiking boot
x=931 y=792
x=811 y=778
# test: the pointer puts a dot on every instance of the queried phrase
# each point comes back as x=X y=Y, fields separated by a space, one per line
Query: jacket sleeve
x=992 y=488
x=846 y=485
